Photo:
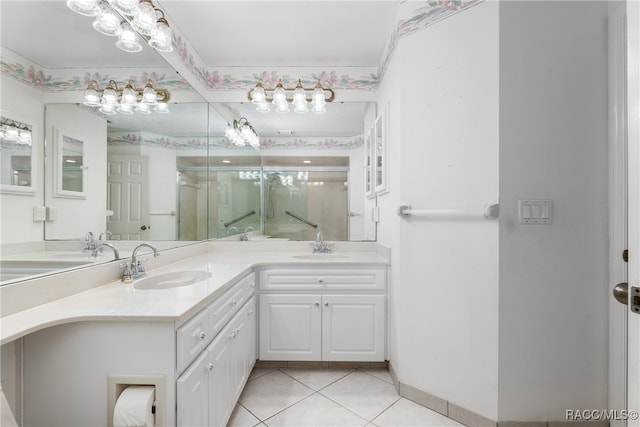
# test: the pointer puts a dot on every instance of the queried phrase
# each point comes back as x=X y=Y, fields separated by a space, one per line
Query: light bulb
x=263 y=108
x=279 y=95
x=11 y=134
x=125 y=108
x=110 y=97
x=107 y=109
x=91 y=97
x=258 y=96
x=129 y=95
x=143 y=108
x=161 y=107
x=283 y=108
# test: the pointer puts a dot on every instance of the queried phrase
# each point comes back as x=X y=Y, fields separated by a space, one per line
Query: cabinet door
x=192 y=393
x=220 y=378
x=252 y=328
x=290 y=327
x=353 y=327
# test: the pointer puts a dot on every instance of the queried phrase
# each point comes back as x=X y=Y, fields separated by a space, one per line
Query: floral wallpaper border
x=151 y=140
x=221 y=79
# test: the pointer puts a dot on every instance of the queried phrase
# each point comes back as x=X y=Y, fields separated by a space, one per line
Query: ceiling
x=237 y=33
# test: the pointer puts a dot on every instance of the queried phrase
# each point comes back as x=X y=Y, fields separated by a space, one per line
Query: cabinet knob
x=233 y=334
x=326 y=303
x=202 y=336
x=250 y=312
x=317 y=304
x=320 y=280
x=237 y=332
x=234 y=303
x=210 y=367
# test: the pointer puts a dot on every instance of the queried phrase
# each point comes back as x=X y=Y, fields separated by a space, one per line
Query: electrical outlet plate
x=52 y=213
x=39 y=213
x=535 y=211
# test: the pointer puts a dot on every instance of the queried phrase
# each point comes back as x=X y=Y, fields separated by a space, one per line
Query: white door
x=633 y=135
x=127 y=197
x=353 y=327
x=290 y=327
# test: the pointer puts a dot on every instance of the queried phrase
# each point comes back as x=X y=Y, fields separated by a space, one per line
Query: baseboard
x=470 y=418
x=319 y=364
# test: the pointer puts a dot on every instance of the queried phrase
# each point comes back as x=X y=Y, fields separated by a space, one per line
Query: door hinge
x=625 y=255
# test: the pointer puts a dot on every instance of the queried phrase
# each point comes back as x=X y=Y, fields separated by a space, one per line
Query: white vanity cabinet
x=323 y=314
x=209 y=388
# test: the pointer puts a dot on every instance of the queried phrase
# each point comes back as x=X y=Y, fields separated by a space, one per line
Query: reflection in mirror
x=15 y=154
x=68 y=170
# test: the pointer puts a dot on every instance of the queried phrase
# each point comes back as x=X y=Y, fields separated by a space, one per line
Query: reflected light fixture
x=242 y=133
x=128 y=20
x=112 y=100
x=15 y=132
x=299 y=97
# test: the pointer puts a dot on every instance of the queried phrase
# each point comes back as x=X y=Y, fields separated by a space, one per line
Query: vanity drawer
x=226 y=306
x=192 y=337
x=314 y=279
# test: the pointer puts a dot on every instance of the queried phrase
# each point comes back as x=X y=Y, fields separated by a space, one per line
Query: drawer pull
x=326 y=303
x=210 y=367
x=234 y=303
x=202 y=336
x=321 y=280
x=250 y=312
x=317 y=304
x=233 y=334
x=237 y=332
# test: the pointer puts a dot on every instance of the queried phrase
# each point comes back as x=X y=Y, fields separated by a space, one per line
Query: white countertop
x=117 y=301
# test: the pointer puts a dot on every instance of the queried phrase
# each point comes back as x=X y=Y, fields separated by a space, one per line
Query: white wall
x=442 y=93
x=17 y=210
x=553 y=144
x=76 y=217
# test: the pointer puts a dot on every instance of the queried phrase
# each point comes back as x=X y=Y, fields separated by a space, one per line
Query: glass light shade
x=318 y=96
x=263 y=108
x=258 y=96
x=109 y=110
x=279 y=96
x=84 y=7
x=229 y=131
x=24 y=136
x=245 y=131
x=108 y=21
x=91 y=97
x=283 y=108
x=149 y=95
x=110 y=97
x=143 y=108
x=161 y=37
x=300 y=107
x=318 y=109
x=11 y=134
x=299 y=96
x=3 y=132
x=161 y=107
x=129 y=95
x=128 y=39
x=125 y=108
x=125 y=6
x=144 y=18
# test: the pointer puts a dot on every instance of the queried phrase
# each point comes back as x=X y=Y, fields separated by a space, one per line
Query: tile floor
x=300 y=397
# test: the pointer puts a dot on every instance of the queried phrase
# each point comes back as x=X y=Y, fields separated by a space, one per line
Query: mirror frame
x=23 y=190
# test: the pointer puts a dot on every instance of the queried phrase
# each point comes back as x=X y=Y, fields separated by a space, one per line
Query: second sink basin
x=321 y=256
x=172 y=280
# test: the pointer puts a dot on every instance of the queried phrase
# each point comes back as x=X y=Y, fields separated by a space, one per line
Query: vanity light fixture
x=128 y=20
x=300 y=97
x=242 y=133
x=15 y=132
x=111 y=99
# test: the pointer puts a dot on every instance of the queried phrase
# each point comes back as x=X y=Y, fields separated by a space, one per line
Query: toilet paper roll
x=134 y=407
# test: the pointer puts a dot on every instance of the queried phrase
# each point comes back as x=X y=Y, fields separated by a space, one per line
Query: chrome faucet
x=105 y=233
x=89 y=242
x=320 y=247
x=245 y=237
x=136 y=269
x=109 y=245
x=231 y=229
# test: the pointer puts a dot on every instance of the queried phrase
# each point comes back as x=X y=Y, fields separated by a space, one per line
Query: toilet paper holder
x=118 y=383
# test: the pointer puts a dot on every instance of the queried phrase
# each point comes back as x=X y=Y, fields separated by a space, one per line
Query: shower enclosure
x=282 y=202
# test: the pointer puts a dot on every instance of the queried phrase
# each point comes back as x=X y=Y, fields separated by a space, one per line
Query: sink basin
x=321 y=256
x=174 y=279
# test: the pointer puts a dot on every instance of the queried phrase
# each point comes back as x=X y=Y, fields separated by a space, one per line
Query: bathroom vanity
x=197 y=343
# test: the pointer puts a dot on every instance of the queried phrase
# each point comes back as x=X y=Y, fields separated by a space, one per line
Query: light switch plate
x=535 y=211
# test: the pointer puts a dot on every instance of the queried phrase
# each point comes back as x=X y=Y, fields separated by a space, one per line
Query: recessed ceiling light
x=306 y=161
x=226 y=161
